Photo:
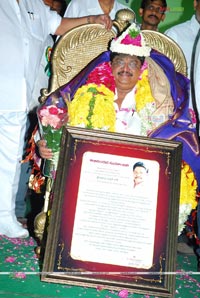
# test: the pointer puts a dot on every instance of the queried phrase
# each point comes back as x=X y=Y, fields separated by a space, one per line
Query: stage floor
x=19 y=276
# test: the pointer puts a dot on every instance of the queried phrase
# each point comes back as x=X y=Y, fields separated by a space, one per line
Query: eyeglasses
x=132 y=64
x=157 y=9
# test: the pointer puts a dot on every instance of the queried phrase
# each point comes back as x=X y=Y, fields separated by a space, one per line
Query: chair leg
x=40 y=219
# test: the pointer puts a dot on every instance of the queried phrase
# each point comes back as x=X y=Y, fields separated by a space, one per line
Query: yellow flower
x=188 y=186
x=92 y=107
x=143 y=94
x=187 y=195
x=145 y=103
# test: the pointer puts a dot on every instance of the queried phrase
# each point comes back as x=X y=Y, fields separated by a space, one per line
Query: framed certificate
x=114 y=216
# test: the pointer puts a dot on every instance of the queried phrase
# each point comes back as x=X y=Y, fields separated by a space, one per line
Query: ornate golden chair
x=72 y=52
x=77 y=48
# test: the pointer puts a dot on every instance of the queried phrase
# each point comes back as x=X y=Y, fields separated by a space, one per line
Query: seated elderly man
x=135 y=90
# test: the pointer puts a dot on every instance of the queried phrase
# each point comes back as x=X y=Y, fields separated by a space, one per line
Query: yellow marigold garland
x=143 y=94
x=145 y=102
x=92 y=107
x=188 y=186
x=188 y=191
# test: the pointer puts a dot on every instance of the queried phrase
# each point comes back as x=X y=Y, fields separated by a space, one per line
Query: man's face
x=139 y=175
x=126 y=71
x=153 y=13
x=54 y=5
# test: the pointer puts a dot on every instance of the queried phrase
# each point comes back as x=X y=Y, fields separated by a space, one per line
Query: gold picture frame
x=99 y=228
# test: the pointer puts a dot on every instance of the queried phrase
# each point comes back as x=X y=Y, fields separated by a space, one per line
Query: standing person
x=25 y=26
x=152 y=13
x=184 y=34
x=79 y=8
x=40 y=82
x=57 y=5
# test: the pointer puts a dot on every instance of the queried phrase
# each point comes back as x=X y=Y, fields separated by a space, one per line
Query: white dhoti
x=12 y=132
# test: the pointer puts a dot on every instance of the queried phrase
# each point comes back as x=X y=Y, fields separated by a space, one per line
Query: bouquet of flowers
x=52 y=116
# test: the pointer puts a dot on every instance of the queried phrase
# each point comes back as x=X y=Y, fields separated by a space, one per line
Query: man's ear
x=195 y=4
x=141 y=12
x=163 y=17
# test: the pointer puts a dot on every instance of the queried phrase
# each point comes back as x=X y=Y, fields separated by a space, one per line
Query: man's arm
x=69 y=23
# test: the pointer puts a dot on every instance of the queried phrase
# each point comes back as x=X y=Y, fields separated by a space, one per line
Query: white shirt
x=24 y=29
x=81 y=8
x=42 y=78
x=184 y=34
x=127 y=119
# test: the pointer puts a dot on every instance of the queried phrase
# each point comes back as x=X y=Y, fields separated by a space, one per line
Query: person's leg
x=23 y=192
x=20 y=208
x=12 y=132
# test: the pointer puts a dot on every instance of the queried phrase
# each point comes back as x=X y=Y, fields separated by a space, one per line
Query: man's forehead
x=123 y=56
x=155 y=2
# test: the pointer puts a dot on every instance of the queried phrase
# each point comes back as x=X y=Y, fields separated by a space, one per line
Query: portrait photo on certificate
x=116 y=211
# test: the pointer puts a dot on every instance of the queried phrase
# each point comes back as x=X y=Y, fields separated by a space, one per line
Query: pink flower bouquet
x=52 y=116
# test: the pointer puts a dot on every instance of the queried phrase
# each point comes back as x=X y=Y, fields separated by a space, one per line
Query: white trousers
x=12 y=133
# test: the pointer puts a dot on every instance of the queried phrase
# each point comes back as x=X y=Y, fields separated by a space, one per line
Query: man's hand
x=103 y=19
x=43 y=150
x=69 y=23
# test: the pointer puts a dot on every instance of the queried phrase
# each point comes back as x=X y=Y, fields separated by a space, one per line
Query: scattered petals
x=10 y=259
x=100 y=288
x=20 y=275
x=123 y=293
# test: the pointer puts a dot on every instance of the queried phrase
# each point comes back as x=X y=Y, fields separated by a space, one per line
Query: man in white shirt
x=152 y=13
x=79 y=8
x=41 y=81
x=140 y=186
x=184 y=34
x=25 y=26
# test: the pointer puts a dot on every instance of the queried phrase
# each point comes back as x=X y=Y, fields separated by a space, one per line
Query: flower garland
x=143 y=94
x=188 y=200
x=102 y=74
x=145 y=102
x=92 y=107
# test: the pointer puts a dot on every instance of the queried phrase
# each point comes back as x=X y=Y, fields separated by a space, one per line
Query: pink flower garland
x=102 y=74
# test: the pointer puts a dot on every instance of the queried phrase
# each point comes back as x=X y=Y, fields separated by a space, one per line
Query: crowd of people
x=29 y=27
